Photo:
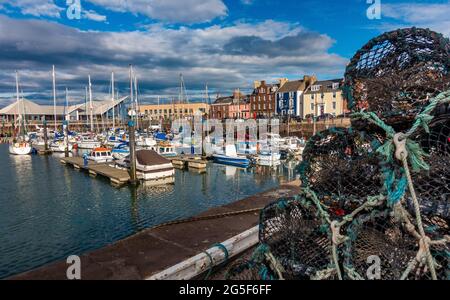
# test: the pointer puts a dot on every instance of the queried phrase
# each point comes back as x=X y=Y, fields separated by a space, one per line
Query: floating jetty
x=118 y=177
x=193 y=162
x=172 y=250
x=41 y=150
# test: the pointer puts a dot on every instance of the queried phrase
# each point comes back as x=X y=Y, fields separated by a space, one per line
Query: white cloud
x=93 y=16
x=433 y=16
x=37 y=8
x=184 y=11
x=206 y=55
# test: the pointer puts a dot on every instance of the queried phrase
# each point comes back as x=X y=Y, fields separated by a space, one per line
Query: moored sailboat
x=20 y=144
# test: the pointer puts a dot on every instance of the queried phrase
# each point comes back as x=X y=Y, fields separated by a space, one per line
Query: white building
x=33 y=112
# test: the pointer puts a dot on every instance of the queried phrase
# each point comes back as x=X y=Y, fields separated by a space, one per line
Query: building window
x=315 y=88
x=291 y=103
x=312 y=106
x=334 y=105
x=334 y=95
x=335 y=86
x=312 y=96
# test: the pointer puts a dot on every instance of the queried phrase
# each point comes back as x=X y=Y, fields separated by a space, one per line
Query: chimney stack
x=282 y=81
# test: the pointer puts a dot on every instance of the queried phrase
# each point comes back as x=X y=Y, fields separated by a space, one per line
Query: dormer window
x=315 y=88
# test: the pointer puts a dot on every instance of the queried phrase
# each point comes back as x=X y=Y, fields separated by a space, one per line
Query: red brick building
x=220 y=109
x=231 y=107
x=263 y=99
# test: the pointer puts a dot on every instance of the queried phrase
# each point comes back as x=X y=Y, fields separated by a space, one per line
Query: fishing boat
x=87 y=142
x=268 y=158
x=101 y=155
x=165 y=149
x=293 y=145
x=231 y=158
x=151 y=167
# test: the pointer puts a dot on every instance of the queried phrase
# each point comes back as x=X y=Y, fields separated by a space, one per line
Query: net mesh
x=342 y=167
x=433 y=185
x=357 y=216
x=397 y=73
x=296 y=238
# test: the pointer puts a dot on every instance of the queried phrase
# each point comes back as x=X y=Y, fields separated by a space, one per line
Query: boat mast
x=113 y=102
x=131 y=91
x=54 y=96
x=136 y=101
x=18 y=101
x=66 y=107
x=159 y=114
x=91 y=108
x=85 y=103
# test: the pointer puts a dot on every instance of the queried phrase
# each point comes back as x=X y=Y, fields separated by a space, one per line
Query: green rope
x=415 y=153
x=211 y=265
x=225 y=251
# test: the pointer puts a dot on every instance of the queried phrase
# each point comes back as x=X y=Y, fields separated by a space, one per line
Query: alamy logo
x=74 y=270
x=73 y=9
x=374 y=271
x=374 y=10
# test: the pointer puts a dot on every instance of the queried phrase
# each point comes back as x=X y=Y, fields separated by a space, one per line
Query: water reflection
x=49 y=211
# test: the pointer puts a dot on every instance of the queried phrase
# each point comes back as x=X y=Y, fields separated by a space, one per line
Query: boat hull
x=61 y=148
x=231 y=161
x=20 y=150
x=88 y=145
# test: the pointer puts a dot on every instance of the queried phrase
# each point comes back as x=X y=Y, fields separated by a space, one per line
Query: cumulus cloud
x=433 y=16
x=36 y=8
x=185 y=11
x=302 y=43
x=204 y=55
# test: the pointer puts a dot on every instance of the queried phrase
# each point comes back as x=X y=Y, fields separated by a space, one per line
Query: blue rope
x=224 y=249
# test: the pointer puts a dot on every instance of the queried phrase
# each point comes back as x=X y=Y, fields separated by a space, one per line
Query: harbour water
x=49 y=211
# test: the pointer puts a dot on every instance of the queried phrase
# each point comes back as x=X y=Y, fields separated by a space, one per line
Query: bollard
x=66 y=138
x=45 y=136
x=85 y=160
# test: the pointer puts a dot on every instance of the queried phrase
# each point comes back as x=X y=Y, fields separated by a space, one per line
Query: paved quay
x=154 y=250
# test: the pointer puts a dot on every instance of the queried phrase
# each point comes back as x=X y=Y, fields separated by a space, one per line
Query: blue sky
x=223 y=43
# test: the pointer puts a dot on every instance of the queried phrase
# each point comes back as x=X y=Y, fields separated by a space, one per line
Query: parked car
x=343 y=116
x=326 y=117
